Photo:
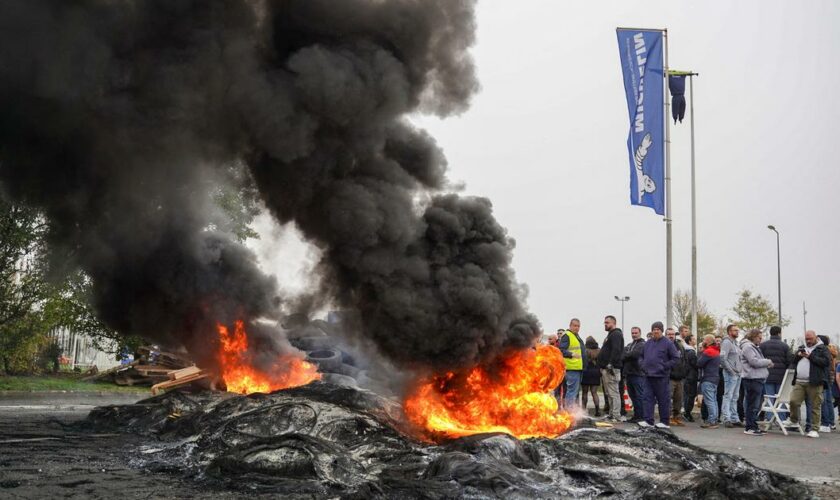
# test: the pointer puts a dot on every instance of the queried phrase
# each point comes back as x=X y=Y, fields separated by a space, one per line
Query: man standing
x=779 y=353
x=684 y=333
x=572 y=348
x=814 y=360
x=635 y=375
x=690 y=384
x=678 y=373
x=730 y=361
x=659 y=355
x=610 y=361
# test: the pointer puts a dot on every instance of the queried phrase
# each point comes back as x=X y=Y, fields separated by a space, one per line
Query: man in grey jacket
x=753 y=374
x=730 y=361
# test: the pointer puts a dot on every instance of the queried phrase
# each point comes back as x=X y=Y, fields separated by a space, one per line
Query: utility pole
x=778 y=269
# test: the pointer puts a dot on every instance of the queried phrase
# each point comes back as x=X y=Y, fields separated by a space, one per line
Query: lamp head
x=771 y=227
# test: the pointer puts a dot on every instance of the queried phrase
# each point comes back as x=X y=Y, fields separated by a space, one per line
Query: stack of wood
x=152 y=367
x=181 y=377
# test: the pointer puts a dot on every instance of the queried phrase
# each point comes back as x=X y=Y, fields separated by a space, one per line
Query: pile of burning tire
x=322 y=440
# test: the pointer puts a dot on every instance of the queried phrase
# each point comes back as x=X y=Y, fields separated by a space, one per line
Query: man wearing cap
x=571 y=346
x=658 y=357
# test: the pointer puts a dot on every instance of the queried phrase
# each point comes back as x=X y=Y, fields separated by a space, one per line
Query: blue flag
x=642 y=62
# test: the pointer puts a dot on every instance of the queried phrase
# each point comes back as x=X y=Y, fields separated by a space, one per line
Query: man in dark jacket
x=779 y=353
x=690 y=383
x=659 y=355
x=634 y=373
x=678 y=373
x=609 y=361
x=813 y=361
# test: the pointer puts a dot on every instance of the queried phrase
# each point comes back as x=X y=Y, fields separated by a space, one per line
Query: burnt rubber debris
x=325 y=440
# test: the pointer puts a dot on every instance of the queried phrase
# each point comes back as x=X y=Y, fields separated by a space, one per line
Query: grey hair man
x=813 y=359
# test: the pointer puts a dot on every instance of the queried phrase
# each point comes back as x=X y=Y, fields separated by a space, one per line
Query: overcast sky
x=545 y=140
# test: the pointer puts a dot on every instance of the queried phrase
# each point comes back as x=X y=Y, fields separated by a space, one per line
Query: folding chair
x=776 y=403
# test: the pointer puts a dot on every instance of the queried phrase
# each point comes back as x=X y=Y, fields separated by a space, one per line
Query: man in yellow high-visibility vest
x=571 y=346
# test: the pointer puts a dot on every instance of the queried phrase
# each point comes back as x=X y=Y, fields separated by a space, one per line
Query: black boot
x=597 y=411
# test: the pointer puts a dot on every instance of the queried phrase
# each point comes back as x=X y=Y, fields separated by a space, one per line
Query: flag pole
x=669 y=302
x=693 y=214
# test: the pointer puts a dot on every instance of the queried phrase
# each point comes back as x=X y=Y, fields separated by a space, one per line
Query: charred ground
x=323 y=440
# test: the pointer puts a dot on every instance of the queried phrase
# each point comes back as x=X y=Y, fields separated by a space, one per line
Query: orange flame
x=516 y=398
x=241 y=377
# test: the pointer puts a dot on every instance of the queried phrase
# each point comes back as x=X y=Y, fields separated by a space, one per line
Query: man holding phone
x=813 y=361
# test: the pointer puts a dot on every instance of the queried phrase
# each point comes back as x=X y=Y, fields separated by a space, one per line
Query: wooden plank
x=176 y=383
x=149 y=369
x=183 y=372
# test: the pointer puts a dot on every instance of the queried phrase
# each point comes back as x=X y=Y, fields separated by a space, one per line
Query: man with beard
x=634 y=373
x=609 y=361
x=813 y=360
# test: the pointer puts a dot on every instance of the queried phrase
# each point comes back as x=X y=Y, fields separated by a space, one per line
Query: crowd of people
x=727 y=375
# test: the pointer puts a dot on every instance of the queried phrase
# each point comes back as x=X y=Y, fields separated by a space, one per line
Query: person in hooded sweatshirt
x=753 y=374
x=658 y=357
x=709 y=365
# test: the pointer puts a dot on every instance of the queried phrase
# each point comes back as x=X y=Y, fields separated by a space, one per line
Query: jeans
x=753 y=391
x=827 y=413
x=610 y=378
x=636 y=391
x=709 y=391
x=731 y=386
x=658 y=391
x=572 y=387
x=771 y=388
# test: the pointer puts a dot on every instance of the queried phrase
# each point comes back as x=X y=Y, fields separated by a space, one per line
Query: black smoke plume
x=119 y=118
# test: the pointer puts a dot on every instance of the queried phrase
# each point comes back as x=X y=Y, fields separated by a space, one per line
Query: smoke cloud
x=120 y=119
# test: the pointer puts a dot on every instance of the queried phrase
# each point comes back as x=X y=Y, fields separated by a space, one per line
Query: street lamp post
x=622 y=300
x=778 y=270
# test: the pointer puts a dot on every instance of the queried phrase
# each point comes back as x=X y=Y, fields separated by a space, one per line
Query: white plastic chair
x=780 y=404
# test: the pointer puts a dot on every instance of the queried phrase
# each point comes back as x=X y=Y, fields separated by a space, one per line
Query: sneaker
x=825 y=428
x=644 y=424
x=707 y=425
x=834 y=427
x=622 y=418
x=728 y=425
x=788 y=423
x=751 y=432
x=689 y=418
x=660 y=425
x=813 y=434
x=737 y=424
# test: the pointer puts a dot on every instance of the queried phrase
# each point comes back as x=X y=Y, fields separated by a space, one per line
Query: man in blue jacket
x=658 y=357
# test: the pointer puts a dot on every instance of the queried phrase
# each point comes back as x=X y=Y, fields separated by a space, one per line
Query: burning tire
x=312 y=343
x=328 y=360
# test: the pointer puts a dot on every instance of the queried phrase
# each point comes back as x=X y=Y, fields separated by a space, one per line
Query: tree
x=238 y=198
x=707 y=324
x=755 y=311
